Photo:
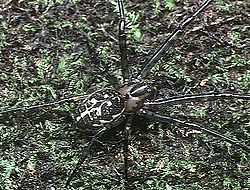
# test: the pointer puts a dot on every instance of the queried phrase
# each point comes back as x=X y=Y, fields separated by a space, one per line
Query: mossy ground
x=43 y=57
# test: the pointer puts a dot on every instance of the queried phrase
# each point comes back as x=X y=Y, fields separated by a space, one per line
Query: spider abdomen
x=102 y=108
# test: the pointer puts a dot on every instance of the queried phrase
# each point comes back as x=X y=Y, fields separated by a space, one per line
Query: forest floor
x=44 y=58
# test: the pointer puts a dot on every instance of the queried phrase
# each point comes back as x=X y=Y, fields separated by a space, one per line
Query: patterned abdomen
x=102 y=108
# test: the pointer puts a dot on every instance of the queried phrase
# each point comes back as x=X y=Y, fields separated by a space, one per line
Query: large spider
x=107 y=108
x=121 y=105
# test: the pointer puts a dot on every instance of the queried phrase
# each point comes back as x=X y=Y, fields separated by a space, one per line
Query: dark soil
x=44 y=58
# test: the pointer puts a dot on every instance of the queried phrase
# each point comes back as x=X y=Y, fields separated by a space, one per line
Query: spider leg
x=163 y=118
x=84 y=155
x=127 y=127
x=196 y=97
x=122 y=42
x=28 y=108
x=151 y=62
x=101 y=66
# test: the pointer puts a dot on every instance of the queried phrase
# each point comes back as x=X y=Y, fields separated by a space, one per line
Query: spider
x=104 y=109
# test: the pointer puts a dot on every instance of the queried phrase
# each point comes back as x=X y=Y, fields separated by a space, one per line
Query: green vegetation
x=44 y=57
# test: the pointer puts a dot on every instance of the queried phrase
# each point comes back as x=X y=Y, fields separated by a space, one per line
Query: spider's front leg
x=163 y=118
x=167 y=44
x=193 y=97
x=122 y=42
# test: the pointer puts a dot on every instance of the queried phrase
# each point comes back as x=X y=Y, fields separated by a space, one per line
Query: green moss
x=44 y=57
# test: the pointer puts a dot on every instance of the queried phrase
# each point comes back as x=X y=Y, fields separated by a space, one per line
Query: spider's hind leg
x=127 y=127
x=84 y=155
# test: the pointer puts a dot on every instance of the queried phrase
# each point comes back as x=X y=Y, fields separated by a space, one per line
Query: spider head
x=135 y=95
x=141 y=91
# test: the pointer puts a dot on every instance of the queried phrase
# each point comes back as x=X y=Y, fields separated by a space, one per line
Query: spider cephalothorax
x=135 y=95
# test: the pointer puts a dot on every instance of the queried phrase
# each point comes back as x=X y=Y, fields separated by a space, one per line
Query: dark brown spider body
x=136 y=94
x=102 y=108
x=108 y=107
